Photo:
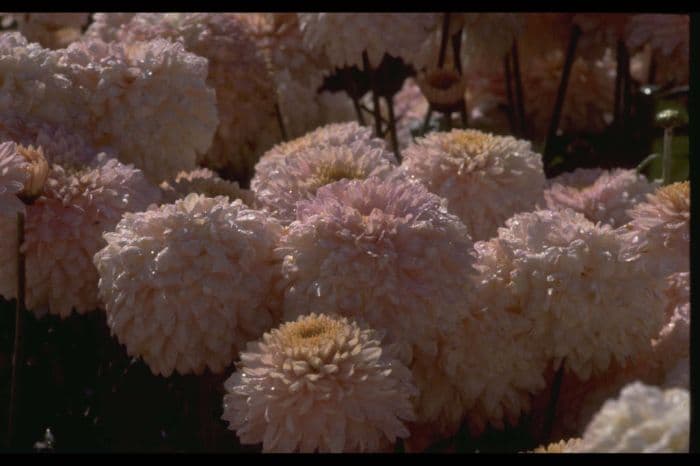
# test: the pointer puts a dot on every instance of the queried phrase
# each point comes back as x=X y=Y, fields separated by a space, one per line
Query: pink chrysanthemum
x=320 y=383
x=600 y=195
x=51 y=30
x=343 y=37
x=203 y=181
x=148 y=102
x=485 y=178
x=63 y=230
x=672 y=346
x=669 y=37
x=245 y=95
x=13 y=176
x=298 y=176
x=385 y=251
x=660 y=229
x=185 y=285
x=588 y=303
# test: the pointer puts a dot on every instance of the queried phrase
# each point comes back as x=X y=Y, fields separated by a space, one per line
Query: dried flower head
x=485 y=178
x=320 y=383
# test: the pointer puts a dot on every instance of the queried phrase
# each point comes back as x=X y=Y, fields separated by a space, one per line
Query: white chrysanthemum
x=51 y=30
x=245 y=95
x=13 y=176
x=60 y=146
x=203 y=181
x=588 y=303
x=148 y=101
x=600 y=195
x=185 y=285
x=410 y=107
x=679 y=375
x=489 y=36
x=322 y=384
x=332 y=135
x=644 y=419
x=298 y=176
x=669 y=37
x=385 y=251
x=485 y=178
x=63 y=230
x=343 y=37
x=660 y=229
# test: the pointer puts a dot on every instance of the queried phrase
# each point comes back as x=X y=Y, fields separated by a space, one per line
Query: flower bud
x=37 y=171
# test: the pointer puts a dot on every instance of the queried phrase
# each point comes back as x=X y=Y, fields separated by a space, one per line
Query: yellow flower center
x=311 y=331
x=677 y=194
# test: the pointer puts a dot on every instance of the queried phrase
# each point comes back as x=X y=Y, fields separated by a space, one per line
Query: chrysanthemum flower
x=485 y=178
x=672 y=345
x=588 y=303
x=13 y=176
x=600 y=195
x=489 y=36
x=660 y=229
x=63 y=230
x=298 y=176
x=148 y=102
x=185 y=285
x=644 y=419
x=206 y=182
x=297 y=74
x=320 y=383
x=669 y=37
x=105 y=26
x=343 y=37
x=385 y=251
x=599 y=31
x=334 y=134
x=562 y=446
x=51 y=30
x=245 y=95
x=410 y=107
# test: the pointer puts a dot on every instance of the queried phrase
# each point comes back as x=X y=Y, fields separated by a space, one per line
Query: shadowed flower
x=485 y=178
x=203 y=181
x=185 y=285
x=13 y=176
x=63 y=230
x=320 y=383
x=51 y=30
x=600 y=195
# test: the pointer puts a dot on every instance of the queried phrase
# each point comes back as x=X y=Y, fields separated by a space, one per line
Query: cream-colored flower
x=562 y=446
x=51 y=30
x=320 y=383
x=485 y=178
x=206 y=182
x=644 y=419
x=13 y=177
x=185 y=285
x=660 y=229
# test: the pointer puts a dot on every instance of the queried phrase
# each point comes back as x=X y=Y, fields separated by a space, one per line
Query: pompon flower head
x=672 y=346
x=644 y=419
x=63 y=230
x=147 y=102
x=489 y=36
x=588 y=304
x=51 y=30
x=660 y=229
x=387 y=252
x=302 y=173
x=60 y=146
x=37 y=172
x=343 y=37
x=185 y=285
x=334 y=134
x=320 y=383
x=485 y=178
x=669 y=38
x=600 y=195
x=206 y=182
x=13 y=176
x=245 y=94
x=562 y=446
x=410 y=107
x=105 y=26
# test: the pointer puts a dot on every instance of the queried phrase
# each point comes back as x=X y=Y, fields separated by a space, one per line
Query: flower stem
x=375 y=95
x=561 y=93
x=552 y=407
x=520 y=100
x=509 y=93
x=358 y=111
x=280 y=121
x=392 y=128
x=443 y=40
x=19 y=317
x=666 y=160
x=426 y=121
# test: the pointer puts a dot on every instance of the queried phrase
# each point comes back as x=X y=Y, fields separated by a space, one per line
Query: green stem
x=666 y=161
